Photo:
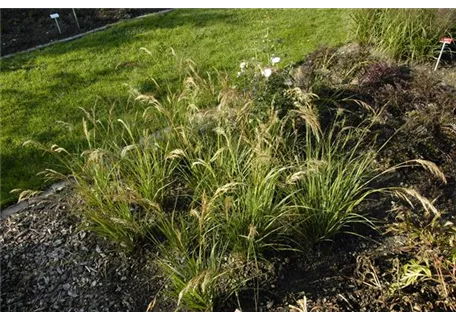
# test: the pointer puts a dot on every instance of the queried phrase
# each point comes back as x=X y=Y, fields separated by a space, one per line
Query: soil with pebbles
x=47 y=264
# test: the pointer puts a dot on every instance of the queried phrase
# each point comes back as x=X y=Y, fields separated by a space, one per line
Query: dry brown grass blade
x=25 y=194
x=176 y=154
x=51 y=174
x=295 y=177
x=125 y=149
x=57 y=149
x=199 y=281
x=406 y=193
x=431 y=167
x=301 y=305
x=225 y=188
x=305 y=109
x=151 y=305
x=425 y=164
x=85 y=129
x=94 y=156
x=146 y=98
x=364 y=105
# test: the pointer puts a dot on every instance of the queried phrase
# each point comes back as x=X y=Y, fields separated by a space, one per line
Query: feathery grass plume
x=305 y=109
x=52 y=175
x=25 y=194
x=406 y=193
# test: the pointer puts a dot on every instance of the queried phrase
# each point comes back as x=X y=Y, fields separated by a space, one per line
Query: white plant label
x=55 y=16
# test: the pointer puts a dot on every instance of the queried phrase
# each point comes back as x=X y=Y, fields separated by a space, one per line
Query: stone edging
x=15 y=208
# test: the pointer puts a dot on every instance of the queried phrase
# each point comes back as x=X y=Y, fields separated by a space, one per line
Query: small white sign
x=55 y=16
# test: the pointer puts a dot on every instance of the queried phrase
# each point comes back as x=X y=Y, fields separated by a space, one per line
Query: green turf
x=47 y=85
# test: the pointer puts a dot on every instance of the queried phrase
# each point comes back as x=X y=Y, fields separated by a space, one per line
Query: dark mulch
x=47 y=264
x=23 y=29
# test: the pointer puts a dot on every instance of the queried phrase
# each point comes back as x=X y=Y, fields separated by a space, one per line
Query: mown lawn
x=43 y=87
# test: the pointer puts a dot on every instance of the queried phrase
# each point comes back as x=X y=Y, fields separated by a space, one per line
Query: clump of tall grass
x=335 y=173
x=122 y=174
x=239 y=171
x=332 y=180
x=229 y=162
x=409 y=34
x=124 y=186
x=192 y=259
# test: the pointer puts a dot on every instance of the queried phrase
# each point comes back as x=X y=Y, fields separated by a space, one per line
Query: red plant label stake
x=445 y=41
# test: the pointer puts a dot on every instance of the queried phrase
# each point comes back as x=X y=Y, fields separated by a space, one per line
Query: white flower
x=267 y=72
x=243 y=65
x=275 y=60
x=239 y=74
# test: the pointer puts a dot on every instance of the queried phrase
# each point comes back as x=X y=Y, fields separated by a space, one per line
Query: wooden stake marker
x=76 y=18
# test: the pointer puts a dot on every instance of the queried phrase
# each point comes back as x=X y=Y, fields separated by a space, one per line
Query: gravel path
x=49 y=265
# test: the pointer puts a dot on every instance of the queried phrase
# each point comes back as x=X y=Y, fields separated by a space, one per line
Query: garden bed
x=405 y=264
x=324 y=185
x=26 y=28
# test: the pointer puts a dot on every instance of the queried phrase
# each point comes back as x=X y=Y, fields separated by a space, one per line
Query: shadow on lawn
x=18 y=159
x=15 y=164
x=119 y=36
